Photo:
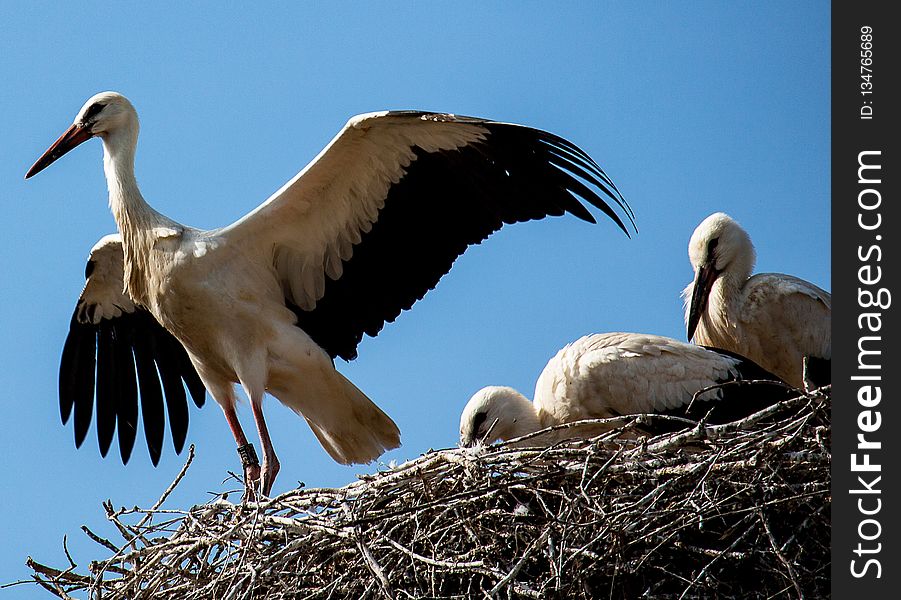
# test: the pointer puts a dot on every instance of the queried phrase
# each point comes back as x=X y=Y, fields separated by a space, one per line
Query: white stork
x=613 y=374
x=773 y=319
x=360 y=234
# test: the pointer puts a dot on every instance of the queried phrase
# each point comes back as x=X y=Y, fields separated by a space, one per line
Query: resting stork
x=360 y=234
x=775 y=320
x=613 y=374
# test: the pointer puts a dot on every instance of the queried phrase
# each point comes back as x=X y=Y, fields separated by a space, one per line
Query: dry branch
x=731 y=511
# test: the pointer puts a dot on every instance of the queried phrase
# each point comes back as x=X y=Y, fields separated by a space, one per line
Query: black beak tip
x=35 y=169
x=693 y=320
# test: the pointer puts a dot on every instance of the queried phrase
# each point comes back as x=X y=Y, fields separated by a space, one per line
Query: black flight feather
x=117 y=362
x=446 y=201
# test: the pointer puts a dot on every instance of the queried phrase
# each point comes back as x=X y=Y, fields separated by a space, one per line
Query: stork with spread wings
x=359 y=235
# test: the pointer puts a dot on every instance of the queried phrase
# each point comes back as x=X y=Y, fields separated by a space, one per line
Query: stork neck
x=129 y=208
x=135 y=218
x=720 y=319
x=524 y=416
x=740 y=267
x=727 y=290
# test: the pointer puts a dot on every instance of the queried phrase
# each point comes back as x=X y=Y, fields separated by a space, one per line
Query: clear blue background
x=690 y=107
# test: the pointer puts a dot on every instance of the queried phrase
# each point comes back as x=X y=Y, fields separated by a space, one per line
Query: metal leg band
x=248 y=455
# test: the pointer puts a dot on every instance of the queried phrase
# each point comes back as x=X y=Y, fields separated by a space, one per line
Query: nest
x=740 y=510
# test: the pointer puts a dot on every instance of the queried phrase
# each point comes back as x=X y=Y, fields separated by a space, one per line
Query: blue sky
x=691 y=108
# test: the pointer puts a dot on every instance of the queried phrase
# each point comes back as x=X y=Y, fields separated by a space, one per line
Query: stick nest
x=730 y=511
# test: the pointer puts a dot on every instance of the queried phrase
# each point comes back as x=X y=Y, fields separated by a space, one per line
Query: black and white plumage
x=360 y=234
x=613 y=374
x=774 y=319
x=113 y=350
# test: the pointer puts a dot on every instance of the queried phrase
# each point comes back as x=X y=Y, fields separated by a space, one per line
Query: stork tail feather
x=351 y=428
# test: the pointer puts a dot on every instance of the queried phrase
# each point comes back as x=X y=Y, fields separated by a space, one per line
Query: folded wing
x=615 y=374
x=798 y=313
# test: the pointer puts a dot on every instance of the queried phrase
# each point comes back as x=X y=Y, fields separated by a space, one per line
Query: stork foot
x=251 y=483
x=269 y=471
x=252 y=471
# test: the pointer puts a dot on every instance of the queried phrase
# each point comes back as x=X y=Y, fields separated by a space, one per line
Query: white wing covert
x=637 y=373
x=612 y=374
x=790 y=307
x=375 y=220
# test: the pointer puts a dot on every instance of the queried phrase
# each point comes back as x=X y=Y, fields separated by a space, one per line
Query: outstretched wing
x=374 y=221
x=116 y=349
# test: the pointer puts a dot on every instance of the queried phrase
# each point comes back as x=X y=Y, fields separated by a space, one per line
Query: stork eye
x=93 y=110
x=711 y=246
x=478 y=420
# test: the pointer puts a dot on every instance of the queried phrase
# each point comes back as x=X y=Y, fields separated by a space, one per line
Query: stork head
x=718 y=247
x=496 y=413
x=103 y=115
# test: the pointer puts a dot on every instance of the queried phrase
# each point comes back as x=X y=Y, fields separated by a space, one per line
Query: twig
x=617 y=515
x=792 y=577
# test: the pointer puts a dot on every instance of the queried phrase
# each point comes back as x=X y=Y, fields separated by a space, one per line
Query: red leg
x=251 y=468
x=270 y=460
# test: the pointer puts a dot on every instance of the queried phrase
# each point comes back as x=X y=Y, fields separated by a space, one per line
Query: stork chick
x=614 y=374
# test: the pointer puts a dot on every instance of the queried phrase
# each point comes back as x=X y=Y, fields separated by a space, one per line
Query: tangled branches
x=732 y=511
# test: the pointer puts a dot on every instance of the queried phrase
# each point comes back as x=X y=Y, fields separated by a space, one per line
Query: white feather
x=773 y=319
x=600 y=376
x=103 y=296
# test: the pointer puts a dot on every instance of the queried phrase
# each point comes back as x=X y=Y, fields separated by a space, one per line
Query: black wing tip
x=125 y=451
x=553 y=140
x=578 y=166
x=155 y=453
x=90 y=365
x=573 y=156
x=747 y=368
x=196 y=388
x=515 y=173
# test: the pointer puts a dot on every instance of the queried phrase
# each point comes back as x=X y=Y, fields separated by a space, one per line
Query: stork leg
x=251 y=467
x=270 y=460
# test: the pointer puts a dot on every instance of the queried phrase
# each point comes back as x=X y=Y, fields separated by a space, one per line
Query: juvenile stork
x=360 y=234
x=613 y=374
x=773 y=319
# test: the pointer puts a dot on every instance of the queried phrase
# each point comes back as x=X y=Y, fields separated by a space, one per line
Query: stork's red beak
x=707 y=274
x=74 y=135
